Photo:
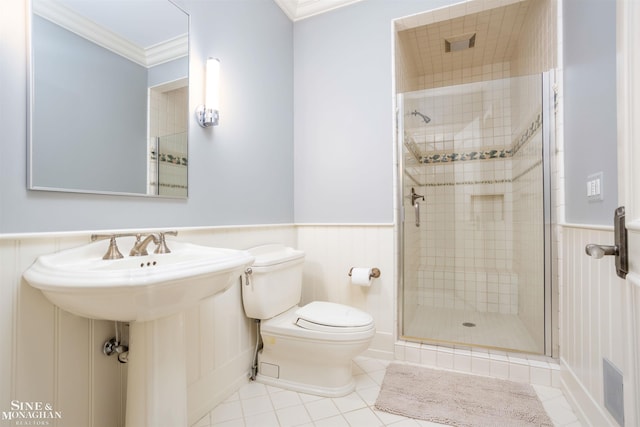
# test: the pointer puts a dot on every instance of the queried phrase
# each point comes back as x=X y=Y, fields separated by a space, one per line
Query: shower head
x=426 y=118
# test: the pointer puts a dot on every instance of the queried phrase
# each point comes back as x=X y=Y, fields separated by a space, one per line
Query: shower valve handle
x=415 y=196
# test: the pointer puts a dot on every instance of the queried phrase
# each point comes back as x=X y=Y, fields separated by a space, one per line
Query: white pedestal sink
x=151 y=292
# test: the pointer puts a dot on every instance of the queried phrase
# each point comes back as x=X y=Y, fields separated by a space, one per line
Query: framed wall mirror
x=108 y=101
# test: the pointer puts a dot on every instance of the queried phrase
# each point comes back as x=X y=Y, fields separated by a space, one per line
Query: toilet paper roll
x=361 y=276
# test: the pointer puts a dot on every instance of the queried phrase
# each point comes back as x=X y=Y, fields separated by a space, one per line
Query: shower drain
x=469 y=324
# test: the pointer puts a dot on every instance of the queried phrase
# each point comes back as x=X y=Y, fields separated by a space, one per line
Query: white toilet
x=307 y=349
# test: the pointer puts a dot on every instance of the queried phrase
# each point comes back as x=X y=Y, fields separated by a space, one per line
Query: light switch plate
x=594 y=187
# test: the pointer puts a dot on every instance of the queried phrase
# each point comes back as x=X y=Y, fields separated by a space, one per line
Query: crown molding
x=80 y=25
x=297 y=10
x=167 y=51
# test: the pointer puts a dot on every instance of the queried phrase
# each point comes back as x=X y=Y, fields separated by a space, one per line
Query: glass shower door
x=473 y=236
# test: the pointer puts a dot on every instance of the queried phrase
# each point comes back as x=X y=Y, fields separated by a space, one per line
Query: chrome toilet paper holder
x=375 y=272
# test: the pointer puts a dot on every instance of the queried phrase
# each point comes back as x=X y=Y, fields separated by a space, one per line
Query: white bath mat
x=458 y=399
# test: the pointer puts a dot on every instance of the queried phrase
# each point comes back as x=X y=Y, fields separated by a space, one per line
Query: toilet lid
x=270 y=255
x=328 y=316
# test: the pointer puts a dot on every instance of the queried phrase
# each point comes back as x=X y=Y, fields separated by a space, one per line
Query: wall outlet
x=594 y=187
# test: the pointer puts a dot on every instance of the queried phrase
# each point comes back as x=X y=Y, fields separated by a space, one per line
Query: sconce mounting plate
x=207 y=117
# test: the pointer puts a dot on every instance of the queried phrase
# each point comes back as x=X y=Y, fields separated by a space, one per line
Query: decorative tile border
x=170 y=158
x=472 y=155
x=451 y=184
x=517 y=144
x=167 y=185
x=525 y=136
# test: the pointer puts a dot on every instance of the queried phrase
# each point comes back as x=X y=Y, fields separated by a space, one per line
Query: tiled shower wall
x=168 y=130
x=464 y=249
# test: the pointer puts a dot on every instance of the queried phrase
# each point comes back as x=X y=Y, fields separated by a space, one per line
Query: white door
x=628 y=48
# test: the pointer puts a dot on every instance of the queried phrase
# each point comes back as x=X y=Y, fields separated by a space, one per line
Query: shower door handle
x=619 y=249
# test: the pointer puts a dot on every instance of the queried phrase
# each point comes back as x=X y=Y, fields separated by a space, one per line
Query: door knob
x=619 y=249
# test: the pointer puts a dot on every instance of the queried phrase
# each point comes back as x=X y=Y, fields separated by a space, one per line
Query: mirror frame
x=30 y=111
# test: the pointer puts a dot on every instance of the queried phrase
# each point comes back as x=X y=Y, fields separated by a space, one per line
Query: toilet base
x=307 y=388
x=321 y=369
x=309 y=361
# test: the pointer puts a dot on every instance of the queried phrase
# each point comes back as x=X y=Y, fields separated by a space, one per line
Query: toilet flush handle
x=247 y=276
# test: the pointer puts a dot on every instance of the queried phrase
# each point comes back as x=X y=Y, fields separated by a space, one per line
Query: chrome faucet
x=140 y=247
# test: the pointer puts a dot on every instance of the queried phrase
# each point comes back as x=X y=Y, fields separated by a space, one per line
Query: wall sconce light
x=209 y=114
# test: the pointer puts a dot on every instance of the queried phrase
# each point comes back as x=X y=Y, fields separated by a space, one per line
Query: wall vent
x=613 y=391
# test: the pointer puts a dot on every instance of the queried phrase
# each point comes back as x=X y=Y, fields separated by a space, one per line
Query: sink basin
x=140 y=288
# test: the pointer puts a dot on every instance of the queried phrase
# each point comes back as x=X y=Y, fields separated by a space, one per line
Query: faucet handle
x=112 y=252
x=161 y=245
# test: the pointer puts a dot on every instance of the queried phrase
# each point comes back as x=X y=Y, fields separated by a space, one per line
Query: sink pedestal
x=157 y=374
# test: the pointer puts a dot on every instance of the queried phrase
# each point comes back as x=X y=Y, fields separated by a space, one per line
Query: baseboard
x=378 y=354
x=382 y=346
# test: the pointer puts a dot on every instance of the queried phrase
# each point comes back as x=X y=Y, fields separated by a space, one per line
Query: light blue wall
x=240 y=172
x=590 y=107
x=168 y=71
x=336 y=70
x=344 y=111
x=110 y=130
x=243 y=171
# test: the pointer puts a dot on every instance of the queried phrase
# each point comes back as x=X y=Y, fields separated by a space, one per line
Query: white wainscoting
x=592 y=321
x=55 y=357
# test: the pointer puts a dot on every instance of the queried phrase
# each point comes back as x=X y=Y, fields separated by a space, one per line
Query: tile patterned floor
x=264 y=406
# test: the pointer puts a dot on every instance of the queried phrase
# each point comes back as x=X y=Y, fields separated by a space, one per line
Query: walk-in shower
x=475 y=137
x=473 y=255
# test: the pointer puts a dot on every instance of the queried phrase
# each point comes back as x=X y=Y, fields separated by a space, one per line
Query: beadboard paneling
x=331 y=250
x=56 y=357
x=592 y=316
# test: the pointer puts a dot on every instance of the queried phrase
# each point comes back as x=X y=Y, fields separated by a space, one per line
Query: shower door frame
x=551 y=294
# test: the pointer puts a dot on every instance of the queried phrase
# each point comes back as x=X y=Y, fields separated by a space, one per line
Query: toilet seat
x=286 y=325
x=331 y=317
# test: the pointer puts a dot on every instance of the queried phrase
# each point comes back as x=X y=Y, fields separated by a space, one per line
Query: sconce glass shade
x=208 y=114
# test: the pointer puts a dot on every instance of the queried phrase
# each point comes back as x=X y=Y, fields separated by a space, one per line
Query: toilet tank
x=275 y=283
